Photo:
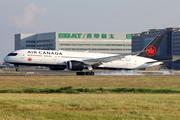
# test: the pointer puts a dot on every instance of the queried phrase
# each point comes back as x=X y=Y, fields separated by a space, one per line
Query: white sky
x=39 y=16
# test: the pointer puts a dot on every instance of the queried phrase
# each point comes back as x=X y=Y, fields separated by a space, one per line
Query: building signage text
x=87 y=35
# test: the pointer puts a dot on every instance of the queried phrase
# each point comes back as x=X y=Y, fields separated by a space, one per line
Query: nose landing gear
x=17 y=68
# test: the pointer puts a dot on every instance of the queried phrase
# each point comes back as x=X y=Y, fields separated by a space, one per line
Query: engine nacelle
x=75 y=65
x=62 y=67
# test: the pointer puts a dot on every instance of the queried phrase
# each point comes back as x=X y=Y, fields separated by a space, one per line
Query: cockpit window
x=12 y=54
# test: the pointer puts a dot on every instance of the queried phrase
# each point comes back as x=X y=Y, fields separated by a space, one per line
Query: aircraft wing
x=107 y=59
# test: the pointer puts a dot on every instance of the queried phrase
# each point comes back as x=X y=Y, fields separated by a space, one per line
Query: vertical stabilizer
x=151 y=49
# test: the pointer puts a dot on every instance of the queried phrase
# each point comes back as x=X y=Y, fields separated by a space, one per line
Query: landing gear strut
x=85 y=73
x=17 y=68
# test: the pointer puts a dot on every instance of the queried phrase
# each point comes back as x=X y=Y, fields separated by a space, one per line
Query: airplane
x=79 y=61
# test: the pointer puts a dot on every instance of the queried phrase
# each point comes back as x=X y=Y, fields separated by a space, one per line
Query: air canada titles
x=43 y=52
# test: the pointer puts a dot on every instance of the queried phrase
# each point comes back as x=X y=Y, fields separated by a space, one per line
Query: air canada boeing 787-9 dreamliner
x=78 y=61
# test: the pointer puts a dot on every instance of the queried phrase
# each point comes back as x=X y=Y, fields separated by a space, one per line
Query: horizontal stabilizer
x=158 y=61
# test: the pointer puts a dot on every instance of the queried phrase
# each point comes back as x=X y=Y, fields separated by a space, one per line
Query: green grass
x=90 y=106
x=108 y=82
x=101 y=98
x=72 y=90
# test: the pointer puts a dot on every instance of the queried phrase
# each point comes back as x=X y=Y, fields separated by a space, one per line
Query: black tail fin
x=151 y=49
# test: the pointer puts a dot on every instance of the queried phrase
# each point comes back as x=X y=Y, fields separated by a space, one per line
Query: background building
x=169 y=48
x=92 y=42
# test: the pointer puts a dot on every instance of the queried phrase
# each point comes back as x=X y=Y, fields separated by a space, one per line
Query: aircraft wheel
x=84 y=73
x=80 y=73
x=91 y=73
x=87 y=73
x=17 y=69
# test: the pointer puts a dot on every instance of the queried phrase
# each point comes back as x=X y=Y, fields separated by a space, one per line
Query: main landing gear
x=89 y=72
x=85 y=73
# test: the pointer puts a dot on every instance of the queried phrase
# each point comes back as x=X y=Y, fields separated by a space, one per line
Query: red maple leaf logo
x=151 y=51
x=29 y=59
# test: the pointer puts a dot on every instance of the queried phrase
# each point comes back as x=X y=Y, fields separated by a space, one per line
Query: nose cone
x=6 y=59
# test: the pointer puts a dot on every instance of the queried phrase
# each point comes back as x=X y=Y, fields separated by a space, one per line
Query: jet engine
x=75 y=65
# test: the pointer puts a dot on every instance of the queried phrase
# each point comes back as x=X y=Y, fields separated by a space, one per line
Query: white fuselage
x=55 y=58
